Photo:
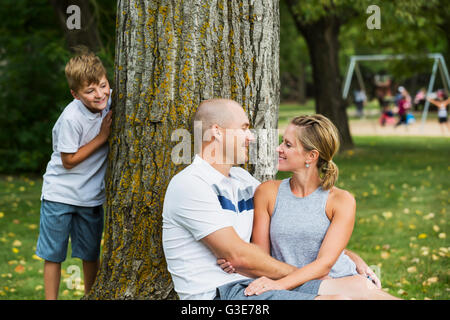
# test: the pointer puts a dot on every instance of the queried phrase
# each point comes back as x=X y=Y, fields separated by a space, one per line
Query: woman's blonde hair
x=317 y=132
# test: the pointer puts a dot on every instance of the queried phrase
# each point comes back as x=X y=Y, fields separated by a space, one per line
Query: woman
x=305 y=220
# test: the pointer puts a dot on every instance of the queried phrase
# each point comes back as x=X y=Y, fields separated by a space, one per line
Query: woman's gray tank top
x=298 y=227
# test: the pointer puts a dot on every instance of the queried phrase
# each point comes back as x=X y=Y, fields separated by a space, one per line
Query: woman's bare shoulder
x=269 y=186
x=339 y=196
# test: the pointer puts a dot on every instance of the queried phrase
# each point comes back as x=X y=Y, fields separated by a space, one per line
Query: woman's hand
x=363 y=269
x=262 y=285
x=226 y=266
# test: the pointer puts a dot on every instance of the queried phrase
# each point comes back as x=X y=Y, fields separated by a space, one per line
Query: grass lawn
x=21 y=271
x=401 y=187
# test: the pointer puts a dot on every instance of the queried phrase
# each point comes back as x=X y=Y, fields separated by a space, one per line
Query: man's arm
x=247 y=259
x=70 y=160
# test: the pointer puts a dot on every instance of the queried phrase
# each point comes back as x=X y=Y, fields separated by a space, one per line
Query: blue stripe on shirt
x=243 y=205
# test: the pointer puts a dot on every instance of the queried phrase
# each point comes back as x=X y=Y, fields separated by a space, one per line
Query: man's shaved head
x=217 y=111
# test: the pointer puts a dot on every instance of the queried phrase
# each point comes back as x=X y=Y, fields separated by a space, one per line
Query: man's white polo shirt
x=200 y=200
x=83 y=185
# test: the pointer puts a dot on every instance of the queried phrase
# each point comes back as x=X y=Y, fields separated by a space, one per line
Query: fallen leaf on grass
x=430 y=281
x=412 y=269
x=17 y=243
x=429 y=216
x=402 y=292
x=387 y=214
x=35 y=257
x=19 y=269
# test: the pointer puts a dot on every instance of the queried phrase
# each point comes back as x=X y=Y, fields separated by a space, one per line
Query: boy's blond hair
x=83 y=69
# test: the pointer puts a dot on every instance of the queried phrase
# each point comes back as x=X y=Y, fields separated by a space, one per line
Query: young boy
x=73 y=189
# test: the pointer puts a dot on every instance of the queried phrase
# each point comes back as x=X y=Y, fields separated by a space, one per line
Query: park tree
x=78 y=22
x=170 y=55
x=320 y=23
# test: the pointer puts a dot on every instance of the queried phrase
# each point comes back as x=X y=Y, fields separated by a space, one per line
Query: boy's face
x=94 y=96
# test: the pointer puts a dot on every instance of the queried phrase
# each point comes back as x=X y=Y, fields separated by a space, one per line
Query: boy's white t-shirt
x=200 y=200
x=83 y=185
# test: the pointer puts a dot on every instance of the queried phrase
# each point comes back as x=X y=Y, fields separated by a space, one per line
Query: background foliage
x=33 y=53
x=33 y=88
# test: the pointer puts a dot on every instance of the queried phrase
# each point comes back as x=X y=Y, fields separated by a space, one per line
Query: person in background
x=360 y=101
x=403 y=100
x=441 y=104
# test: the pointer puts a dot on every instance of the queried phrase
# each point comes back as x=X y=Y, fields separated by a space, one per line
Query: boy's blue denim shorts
x=58 y=221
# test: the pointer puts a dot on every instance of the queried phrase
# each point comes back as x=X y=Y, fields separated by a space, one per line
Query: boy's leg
x=90 y=269
x=86 y=235
x=54 y=226
x=52 y=277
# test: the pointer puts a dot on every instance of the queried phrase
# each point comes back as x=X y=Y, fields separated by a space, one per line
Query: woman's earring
x=307 y=165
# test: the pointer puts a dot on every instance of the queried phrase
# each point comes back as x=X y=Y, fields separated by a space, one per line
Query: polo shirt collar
x=213 y=175
x=85 y=111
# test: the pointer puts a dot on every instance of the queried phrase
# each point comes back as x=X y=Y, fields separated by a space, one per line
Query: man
x=208 y=214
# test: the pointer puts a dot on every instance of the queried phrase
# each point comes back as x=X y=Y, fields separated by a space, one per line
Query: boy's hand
x=105 y=129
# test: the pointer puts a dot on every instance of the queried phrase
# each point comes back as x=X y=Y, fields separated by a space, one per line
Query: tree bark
x=322 y=37
x=88 y=34
x=170 y=55
x=323 y=45
x=302 y=84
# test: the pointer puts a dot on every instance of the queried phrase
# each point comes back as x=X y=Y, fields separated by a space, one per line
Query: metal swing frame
x=439 y=62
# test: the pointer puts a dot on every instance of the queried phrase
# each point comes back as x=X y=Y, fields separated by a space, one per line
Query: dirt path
x=371 y=127
x=365 y=127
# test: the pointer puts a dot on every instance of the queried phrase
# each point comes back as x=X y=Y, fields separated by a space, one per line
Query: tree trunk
x=323 y=45
x=170 y=55
x=88 y=34
x=302 y=84
x=322 y=37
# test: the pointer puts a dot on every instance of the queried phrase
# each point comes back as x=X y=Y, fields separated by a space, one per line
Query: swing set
x=439 y=63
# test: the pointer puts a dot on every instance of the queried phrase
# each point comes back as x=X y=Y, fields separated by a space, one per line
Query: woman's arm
x=343 y=207
x=262 y=214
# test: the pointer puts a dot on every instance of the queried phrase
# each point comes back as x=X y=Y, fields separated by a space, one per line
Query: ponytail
x=329 y=172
